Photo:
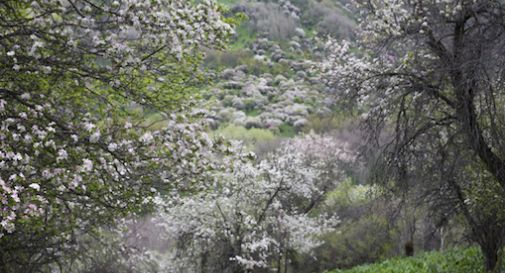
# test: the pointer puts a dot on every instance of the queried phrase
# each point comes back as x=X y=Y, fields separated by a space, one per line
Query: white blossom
x=147 y=138
x=112 y=146
x=62 y=155
x=35 y=186
x=95 y=137
x=87 y=165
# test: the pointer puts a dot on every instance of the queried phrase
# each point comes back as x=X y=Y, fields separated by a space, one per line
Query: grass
x=467 y=260
x=244 y=37
x=253 y=135
x=227 y=2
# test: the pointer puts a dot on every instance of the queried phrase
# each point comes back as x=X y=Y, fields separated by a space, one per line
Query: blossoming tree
x=428 y=77
x=257 y=213
x=77 y=79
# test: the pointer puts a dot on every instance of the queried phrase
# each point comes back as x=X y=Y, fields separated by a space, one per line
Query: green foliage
x=287 y=130
x=323 y=124
x=361 y=237
x=486 y=200
x=243 y=37
x=253 y=135
x=253 y=113
x=364 y=240
x=231 y=58
x=348 y=193
x=454 y=261
x=227 y=2
x=239 y=56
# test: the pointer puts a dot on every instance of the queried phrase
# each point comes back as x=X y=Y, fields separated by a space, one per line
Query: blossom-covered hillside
x=267 y=78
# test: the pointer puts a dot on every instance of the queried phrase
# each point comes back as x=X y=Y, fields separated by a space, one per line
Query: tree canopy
x=428 y=78
x=76 y=76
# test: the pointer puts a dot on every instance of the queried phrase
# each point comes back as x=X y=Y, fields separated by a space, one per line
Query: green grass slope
x=453 y=261
x=227 y=2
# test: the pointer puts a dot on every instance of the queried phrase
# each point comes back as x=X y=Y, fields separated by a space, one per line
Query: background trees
x=429 y=82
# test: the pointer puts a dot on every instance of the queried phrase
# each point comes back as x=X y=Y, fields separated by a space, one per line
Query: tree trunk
x=491 y=257
x=465 y=86
x=487 y=231
x=490 y=239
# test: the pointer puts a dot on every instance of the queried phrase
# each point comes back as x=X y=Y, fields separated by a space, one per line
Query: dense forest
x=252 y=136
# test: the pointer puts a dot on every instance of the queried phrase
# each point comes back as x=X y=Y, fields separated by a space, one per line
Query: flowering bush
x=256 y=212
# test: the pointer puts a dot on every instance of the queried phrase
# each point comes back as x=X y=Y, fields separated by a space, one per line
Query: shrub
x=232 y=58
x=270 y=18
x=453 y=261
x=324 y=124
x=362 y=237
x=329 y=19
x=287 y=130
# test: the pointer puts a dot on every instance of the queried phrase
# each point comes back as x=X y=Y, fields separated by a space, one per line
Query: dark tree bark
x=491 y=248
x=409 y=249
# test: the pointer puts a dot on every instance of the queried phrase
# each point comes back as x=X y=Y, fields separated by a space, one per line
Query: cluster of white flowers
x=63 y=147
x=124 y=33
x=252 y=212
x=40 y=158
x=382 y=68
x=395 y=63
x=383 y=19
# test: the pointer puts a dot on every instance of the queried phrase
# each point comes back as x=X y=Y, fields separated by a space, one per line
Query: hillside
x=266 y=79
